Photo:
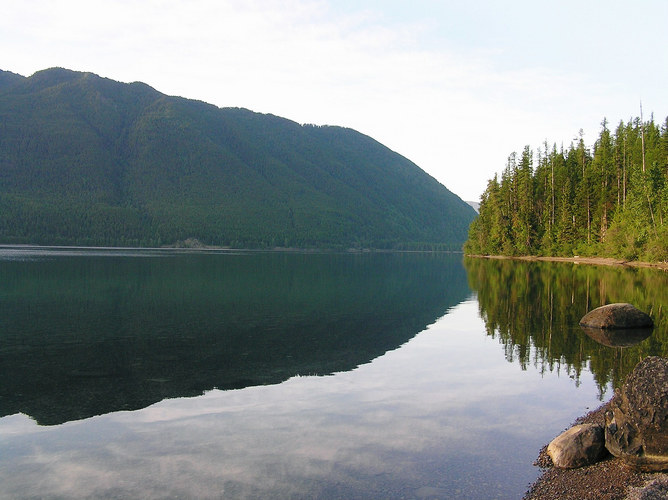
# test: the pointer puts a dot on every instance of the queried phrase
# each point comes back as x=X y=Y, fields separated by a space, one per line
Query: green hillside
x=87 y=160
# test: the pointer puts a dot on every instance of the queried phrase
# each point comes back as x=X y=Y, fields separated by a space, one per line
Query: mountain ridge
x=89 y=160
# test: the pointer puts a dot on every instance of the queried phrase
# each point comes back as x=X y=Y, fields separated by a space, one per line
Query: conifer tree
x=612 y=201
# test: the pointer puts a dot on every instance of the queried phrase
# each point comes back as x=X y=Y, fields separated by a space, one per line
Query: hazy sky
x=455 y=86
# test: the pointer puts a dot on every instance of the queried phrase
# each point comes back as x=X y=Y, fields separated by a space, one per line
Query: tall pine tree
x=611 y=201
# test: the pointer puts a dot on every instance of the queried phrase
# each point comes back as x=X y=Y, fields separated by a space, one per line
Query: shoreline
x=599 y=261
x=608 y=479
x=218 y=249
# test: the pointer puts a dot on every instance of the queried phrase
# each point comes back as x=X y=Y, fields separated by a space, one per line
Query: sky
x=454 y=86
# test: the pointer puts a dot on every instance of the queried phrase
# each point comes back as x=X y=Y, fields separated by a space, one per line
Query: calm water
x=157 y=374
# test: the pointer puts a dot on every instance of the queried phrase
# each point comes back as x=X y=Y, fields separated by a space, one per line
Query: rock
x=636 y=425
x=578 y=446
x=655 y=489
x=616 y=316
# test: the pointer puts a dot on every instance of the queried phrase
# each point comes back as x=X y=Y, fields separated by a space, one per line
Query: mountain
x=90 y=161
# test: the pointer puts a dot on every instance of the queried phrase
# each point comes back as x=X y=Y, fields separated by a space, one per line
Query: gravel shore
x=609 y=479
x=598 y=261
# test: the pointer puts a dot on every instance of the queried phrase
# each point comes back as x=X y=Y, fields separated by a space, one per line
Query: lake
x=219 y=374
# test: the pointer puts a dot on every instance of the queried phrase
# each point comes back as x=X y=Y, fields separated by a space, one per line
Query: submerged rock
x=618 y=315
x=636 y=425
x=578 y=446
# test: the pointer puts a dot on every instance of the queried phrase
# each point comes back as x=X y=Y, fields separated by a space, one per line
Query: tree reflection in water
x=534 y=308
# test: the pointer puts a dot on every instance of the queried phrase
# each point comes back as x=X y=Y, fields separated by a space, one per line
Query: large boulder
x=636 y=425
x=620 y=315
x=578 y=446
x=616 y=316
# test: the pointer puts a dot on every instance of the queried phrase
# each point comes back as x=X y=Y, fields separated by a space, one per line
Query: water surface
x=219 y=375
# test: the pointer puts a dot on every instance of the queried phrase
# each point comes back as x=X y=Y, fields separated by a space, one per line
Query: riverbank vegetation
x=608 y=200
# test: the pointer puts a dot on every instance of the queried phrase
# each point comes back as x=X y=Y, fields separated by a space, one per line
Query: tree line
x=608 y=200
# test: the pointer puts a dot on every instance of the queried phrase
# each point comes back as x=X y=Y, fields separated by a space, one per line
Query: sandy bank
x=600 y=261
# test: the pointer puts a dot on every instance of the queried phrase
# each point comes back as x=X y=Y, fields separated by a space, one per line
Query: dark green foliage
x=611 y=202
x=87 y=160
x=7 y=79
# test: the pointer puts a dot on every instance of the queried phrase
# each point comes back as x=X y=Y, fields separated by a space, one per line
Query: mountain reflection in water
x=95 y=332
x=455 y=403
x=534 y=308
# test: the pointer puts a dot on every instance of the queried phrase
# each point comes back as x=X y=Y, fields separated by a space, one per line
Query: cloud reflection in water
x=443 y=413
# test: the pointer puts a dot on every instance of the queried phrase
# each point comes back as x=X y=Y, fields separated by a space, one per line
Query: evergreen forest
x=609 y=200
x=86 y=160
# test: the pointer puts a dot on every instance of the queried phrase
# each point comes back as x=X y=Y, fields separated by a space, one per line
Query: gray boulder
x=636 y=425
x=654 y=489
x=578 y=446
x=616 y=316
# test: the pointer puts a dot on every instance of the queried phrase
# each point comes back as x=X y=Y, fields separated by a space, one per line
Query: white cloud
x=450 y=87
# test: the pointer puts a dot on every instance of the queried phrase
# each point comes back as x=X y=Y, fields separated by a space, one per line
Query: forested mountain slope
x=612 y=201
x=88 y=160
